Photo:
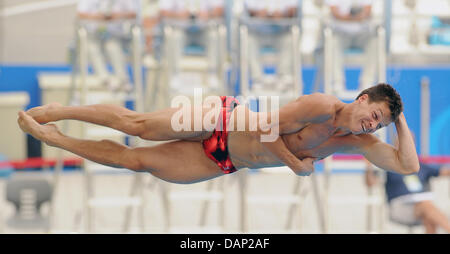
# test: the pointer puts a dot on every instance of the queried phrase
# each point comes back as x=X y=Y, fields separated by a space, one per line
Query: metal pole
x=243 y=199
x=137 y=187
x=222 y=204
x=369 y=210
x=296 y=62
x=328 y=89
x=381 y=49
x=292 y=207
x=82 y=34
x=327 y=174
x=151 y=84
x=320 y=208
x=139 y=107
x=205 y=206
x=387 y=7
x=137 y=67
x=229 y=22
x=60 y=152
x=166 y=204
x=167 y=57
x=425 y=116
x=381 y=206
x=328 y=61
x=222 y=37
x=82 y=37
x=243 y=32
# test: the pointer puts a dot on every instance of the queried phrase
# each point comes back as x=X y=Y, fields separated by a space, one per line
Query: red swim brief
x=216 y=147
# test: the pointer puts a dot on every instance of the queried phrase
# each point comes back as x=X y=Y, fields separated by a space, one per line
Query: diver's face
x=369 y=116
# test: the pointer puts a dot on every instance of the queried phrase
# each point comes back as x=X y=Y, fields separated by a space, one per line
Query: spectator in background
x=352 y=25
x=194 y=14
x=410 y=198
x=271 y=35
x=108 y=25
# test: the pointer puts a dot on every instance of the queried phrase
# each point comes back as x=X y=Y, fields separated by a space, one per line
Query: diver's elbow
x=411 y=168
x=415 y=168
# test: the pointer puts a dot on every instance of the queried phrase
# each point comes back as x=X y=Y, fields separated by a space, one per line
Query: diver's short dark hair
x=385 y=92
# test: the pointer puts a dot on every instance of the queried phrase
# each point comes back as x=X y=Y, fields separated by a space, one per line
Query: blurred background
x=142 y=53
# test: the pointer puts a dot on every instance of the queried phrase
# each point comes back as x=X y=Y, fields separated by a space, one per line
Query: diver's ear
x=363 y=98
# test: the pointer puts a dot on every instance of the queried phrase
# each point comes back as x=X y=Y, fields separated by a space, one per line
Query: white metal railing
x=295 y=32
x=244 y=63
x=425 y=116
x=328 y=70
x=172 y=28
x=328 y=61
x=296 y=61
x=294 y=200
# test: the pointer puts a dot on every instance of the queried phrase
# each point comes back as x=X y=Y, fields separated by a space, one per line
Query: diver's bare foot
x=42 y=113
x=47 y=133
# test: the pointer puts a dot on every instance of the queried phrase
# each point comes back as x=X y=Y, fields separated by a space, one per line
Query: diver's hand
x=304 y=167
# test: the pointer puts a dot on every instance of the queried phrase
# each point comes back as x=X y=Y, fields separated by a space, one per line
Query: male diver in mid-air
x=310 y=128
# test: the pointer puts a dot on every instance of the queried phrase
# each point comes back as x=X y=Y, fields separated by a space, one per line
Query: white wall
x=31 y=35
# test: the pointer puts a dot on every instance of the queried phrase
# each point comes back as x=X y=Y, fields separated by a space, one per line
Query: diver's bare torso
x=312 y=140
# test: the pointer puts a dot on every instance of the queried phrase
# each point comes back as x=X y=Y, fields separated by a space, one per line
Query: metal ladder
x=244 y=65
x=196 y=64
x=297 y=195
x=79 y=86
x=329 y=163
x=294 y=200
x=214 y=190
